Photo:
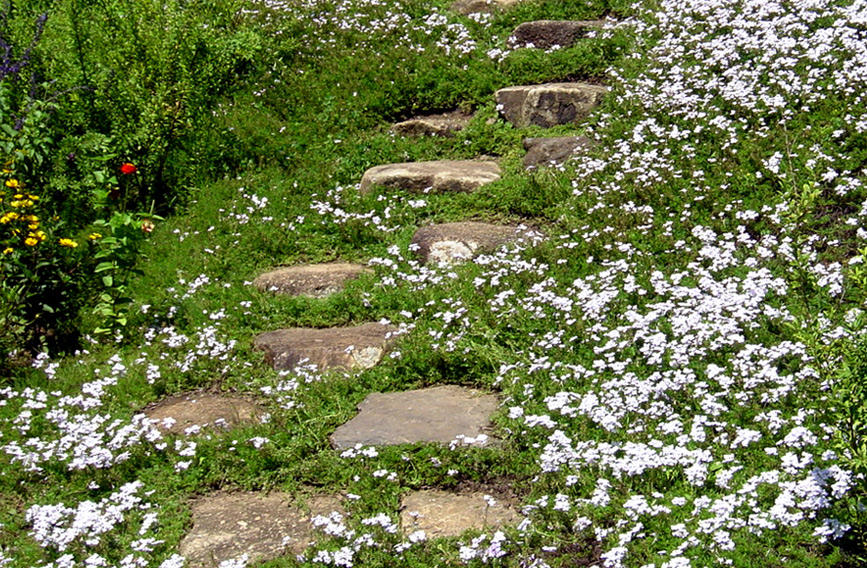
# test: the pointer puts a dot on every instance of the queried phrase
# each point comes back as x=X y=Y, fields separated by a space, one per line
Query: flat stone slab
x=438 y=176
x=193 y=412
x=444 y=514
x=449 y=243
x=481 y=6
x=545 y=34
x=549 y=104
x=227 y=525
x=349 y=348
x=438 y=414
x=446 y=124
x=552 y=151
x=314 y=280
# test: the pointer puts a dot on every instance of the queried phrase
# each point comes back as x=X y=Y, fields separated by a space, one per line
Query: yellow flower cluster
x=18 y=223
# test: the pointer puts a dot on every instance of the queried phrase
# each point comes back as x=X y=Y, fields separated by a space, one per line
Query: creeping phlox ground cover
x=664 y=345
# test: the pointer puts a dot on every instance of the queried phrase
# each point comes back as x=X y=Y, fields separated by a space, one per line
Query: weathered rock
x=444 y=514
x=549 y=104
x=227 y=525
x=552 y=151
x=446 y=124
x=349 y=348
x=455 y=242
x=545 y=34
x=437 y=176
x=315 y=280
x=190 y=413
x=439 y=414
x=481 y=6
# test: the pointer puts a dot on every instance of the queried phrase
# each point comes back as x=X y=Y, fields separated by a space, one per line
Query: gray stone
x=449 y=243
x=438 y=414
x=481 y=6
x=437 y=176
x=227 y=525
x=193 y=412
x=553 y=151
x=445 y=514
x=545 y=34
x=549 y=104
x=349 y=348
x=446 y=124
x=315 y=280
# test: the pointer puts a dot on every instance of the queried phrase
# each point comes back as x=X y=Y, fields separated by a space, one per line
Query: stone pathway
x=193 y=412
x=467 y=7
x=227 y=525
x=445 y=513
x=446 y=124
x=438 y=414
x=439 y=176
x=545 y=34
x=553 y=151
x=549 y=104
x=349 y=348
x=450 y=243
x=314 y=280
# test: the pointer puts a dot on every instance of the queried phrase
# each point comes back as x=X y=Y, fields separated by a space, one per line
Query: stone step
x=263 y=526
x=449 y=243
x=467 y=7
x=349 y=348
x=549 y=104
x=314 y=280
x=437 y=176
x=441 y=414
x=446 y=124
x=545 y=34
x=442 y=514
x=194 y=412
x=553 y=151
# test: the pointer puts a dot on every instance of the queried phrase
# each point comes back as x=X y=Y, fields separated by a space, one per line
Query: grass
x=667 y=359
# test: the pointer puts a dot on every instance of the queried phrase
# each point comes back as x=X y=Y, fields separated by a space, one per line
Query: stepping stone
x=444 y=514
x=349 y=348
x=549 y=104
x=438 y=414
x=449 y=243
x=227 y=525
x=437 y=176
x=188 y=413
x=314 y=280
x=467 y=7
x=446 y=124
x=545 y=34
x=552 y=151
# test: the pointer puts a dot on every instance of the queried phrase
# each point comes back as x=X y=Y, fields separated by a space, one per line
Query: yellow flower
x=68 y=243
x=13 y=183
x=30 y=241
x=8 y=250
x=33 y=197
x=33 y=226
x=11 y=216
x=94 y=236
x=40 y=235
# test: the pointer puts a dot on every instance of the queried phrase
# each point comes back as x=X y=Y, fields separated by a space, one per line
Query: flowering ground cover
x=676 y=345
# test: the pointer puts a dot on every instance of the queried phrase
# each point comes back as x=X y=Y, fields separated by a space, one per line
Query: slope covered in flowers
x=667 y=343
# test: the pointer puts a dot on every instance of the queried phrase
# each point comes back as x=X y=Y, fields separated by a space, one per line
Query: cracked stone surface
x=545 y=34
x=449 y=243
x=439 y=414
x=549 y=104
x=445 y=513
x=553 y=151
x=446 y=124
x=264 y=526
x=438 y=176
x=349 y=348
x=192 y=412
x=481 y=6
x=314 y=280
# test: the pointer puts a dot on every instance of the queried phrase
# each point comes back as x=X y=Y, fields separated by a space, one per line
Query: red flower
x=128 y=168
